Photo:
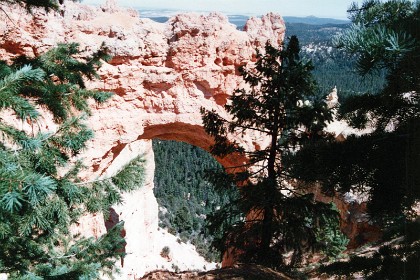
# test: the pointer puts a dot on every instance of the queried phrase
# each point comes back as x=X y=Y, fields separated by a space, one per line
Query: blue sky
x=319 y=8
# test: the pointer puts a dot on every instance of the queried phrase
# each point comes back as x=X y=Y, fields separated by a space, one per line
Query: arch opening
x=194 y=135
x=184 y=195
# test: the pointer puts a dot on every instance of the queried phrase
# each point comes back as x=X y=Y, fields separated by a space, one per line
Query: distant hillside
x=314 y=33
x=314 y=20
x=157 y=19
x=333 y=67
x=240 y=20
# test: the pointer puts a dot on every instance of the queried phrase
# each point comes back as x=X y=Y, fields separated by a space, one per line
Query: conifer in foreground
x=38 y=200
x=382 y=165
x=274 y=213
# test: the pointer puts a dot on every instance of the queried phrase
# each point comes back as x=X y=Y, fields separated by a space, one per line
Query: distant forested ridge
x=333 y=67
x=314 y=20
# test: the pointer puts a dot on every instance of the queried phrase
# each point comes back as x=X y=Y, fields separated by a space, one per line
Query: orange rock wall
x=161 y=73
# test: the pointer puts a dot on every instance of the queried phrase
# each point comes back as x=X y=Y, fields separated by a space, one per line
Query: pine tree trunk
x=269 y=195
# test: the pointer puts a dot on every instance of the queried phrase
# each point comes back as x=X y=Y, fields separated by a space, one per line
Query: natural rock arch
x=161 y=73
x=190 y=134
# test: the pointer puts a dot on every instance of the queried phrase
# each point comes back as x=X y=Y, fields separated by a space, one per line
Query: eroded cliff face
x=162 y=74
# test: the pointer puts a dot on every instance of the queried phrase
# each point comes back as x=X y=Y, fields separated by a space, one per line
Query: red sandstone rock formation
x=161 y=73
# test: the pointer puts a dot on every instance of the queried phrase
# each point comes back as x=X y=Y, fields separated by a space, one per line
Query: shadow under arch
x=192 y=134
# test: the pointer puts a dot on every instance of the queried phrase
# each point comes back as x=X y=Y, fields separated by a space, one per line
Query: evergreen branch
x=77 y=253
x=239 y=166
x=90 y=182
x=19 y=137
x=258 y=171
x=10 y=87
x=250 y=127
x=14 y=81
x=37 y=205
x=47 y=5
x=11 y=201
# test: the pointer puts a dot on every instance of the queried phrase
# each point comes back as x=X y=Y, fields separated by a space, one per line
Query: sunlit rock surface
x=162 y=74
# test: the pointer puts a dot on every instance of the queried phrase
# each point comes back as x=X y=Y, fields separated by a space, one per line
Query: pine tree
x=31 y=4
x=274 y=214
x=382 y=165
x=38 y=203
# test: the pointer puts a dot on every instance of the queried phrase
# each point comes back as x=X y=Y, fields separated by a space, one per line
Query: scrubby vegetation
x=165 y=252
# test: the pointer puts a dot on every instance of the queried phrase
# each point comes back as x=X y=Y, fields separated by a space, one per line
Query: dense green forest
x=184 y=195
x=333 y=67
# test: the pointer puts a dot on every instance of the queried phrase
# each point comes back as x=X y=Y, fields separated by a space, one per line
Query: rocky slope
x=239 y=272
